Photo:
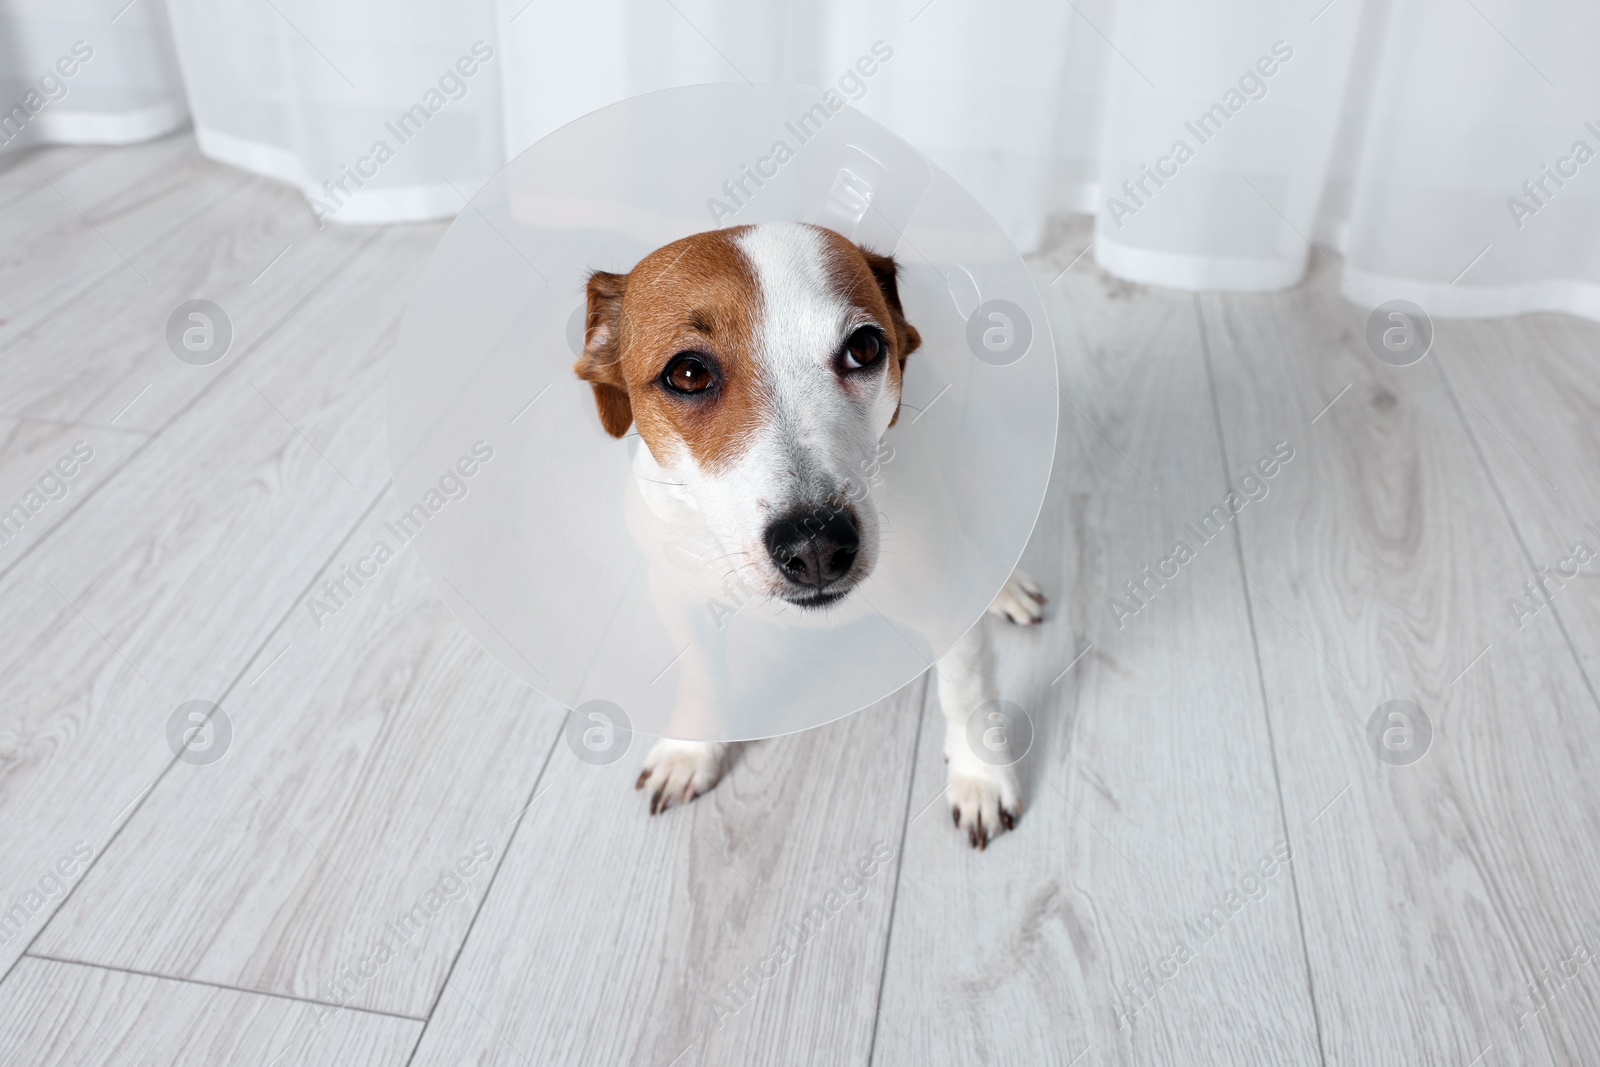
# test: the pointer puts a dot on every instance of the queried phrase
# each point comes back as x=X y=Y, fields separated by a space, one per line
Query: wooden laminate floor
x=1215 y=866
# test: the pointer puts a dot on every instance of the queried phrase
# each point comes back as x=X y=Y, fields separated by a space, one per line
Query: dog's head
x=762 y=364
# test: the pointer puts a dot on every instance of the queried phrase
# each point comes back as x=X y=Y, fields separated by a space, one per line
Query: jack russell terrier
x=762 y=365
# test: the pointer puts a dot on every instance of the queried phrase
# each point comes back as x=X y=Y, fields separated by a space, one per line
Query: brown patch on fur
x=867 y=280
x=697 y=294
x=599 y=365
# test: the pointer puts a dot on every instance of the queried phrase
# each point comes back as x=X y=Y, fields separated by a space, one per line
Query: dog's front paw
x=984 y=799
x=1021 y=601
x=680 y=771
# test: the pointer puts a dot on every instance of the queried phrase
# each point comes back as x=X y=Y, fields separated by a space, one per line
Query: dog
x=762 y=365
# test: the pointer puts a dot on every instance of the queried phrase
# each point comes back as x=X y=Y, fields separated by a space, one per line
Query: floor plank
x=164 y=585
x=1430 y=912
x=62 y=1015
x=62 y=238
x=371 y=750
x=23 y=169
x=48 y=469
x=1433 y=892
x=1528 y=389
x=1150 y=784
x=104 y=357
x=611 y=936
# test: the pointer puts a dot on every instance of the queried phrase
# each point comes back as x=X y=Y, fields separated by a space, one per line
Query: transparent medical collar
x=528 y=515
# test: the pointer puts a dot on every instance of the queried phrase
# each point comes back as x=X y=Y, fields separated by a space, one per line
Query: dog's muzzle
x=815 y=549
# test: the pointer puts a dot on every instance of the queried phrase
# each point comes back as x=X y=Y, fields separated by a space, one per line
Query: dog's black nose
x=815 y=547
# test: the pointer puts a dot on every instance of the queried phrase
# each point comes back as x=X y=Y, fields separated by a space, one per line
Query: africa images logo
x=739 y=993
x=852 y=83
x=1210 y=525
x=52 y=87
x=340 y=589
x=54 y=484
x=1252 y=86
x=452 y=85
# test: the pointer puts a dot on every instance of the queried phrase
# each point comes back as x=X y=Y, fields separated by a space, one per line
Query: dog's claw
x=644 y=775
x=1007 y=819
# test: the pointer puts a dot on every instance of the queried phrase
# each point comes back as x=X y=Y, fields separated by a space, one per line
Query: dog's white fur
x=820 y=434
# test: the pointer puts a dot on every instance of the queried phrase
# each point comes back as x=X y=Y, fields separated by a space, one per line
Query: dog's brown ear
x=907 y=339
x=601 y=363
x=884 y=269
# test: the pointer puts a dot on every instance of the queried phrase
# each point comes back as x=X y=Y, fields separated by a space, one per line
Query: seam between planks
x=483 y=901
x=217 y=985
x=24 y=190
x=1261 y=682
x=1511 y=520
x=202 y=393
x=78 y=294
x=150 y=790
x=905 y=826
x=74 y=424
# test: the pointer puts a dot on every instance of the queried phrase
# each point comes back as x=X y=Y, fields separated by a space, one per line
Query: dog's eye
x=864 y=348
x=687 y=373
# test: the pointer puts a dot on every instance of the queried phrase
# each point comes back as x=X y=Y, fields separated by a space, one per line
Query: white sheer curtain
x=1447 y=148
x=118 y=85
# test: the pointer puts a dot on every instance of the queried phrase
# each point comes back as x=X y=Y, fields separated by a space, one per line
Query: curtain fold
x=1446 y=149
